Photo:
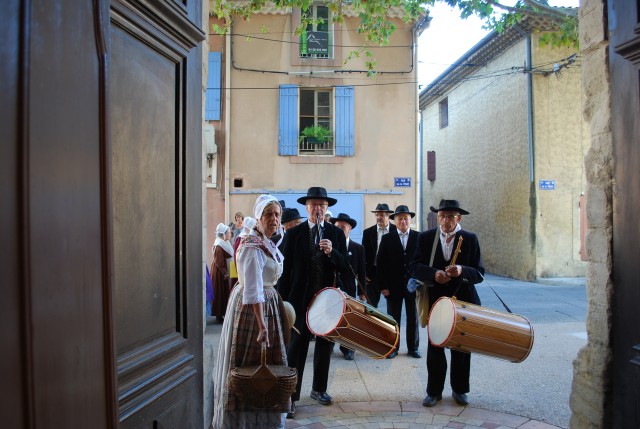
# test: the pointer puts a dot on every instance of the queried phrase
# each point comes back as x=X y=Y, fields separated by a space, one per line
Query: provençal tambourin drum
x=351 y=323
x=471 y=328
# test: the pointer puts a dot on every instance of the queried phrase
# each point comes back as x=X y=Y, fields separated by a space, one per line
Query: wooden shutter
x=212 y=104
x=288 y=120
x=431 y=166
x=344 y=121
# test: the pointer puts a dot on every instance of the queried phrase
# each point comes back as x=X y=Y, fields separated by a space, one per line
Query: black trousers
x=437 y=370
x=297 y=356
x=394 y=308
x=373 y=293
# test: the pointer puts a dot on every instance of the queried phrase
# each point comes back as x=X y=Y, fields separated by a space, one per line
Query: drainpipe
x=227 y=124
x=528 y=67
x=418 y=136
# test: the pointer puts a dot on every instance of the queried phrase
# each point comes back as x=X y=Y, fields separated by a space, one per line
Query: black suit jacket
x=469 y=258
x=393 y=262
x=370 y=243
x=355 y=252
x=293 y=285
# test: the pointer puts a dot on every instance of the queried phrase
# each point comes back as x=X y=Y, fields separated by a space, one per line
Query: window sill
x=316 y=159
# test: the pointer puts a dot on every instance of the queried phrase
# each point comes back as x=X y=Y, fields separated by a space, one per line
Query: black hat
x=317 y=193
x=282 y=204
x=344 y=218
x=289 y=215
x=449 y=205
x=382 y=207
x=401 y=210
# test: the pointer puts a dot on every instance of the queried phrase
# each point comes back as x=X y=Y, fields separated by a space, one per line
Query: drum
x=351 y=323
x=471 y=328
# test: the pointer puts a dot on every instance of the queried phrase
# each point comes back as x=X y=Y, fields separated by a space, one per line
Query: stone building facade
x=511 y=151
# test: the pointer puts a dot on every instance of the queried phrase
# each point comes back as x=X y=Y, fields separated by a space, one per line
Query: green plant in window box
x=316 y=134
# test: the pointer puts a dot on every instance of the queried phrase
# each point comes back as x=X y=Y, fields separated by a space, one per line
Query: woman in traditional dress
x=222 y=257
x=255 y=315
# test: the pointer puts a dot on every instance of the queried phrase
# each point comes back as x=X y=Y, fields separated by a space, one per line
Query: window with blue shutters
x=316 y=121
x=212 y=96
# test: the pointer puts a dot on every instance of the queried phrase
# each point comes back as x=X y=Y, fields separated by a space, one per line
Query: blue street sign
x=547 y=185
x=401 y=182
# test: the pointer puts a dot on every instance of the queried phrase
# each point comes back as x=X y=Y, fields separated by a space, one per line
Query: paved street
x=388 y=393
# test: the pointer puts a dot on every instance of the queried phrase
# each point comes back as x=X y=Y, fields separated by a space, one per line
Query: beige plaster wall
x=561 y=142
x=482 y=161
x=385 y=119
x=590 y=369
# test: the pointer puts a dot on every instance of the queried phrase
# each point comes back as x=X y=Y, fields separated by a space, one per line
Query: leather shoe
x=415 y=354
x=348 y=355
x=430 y=401
x=291 y=414
x=392 y=354
x=322 y=397
x=460 y=398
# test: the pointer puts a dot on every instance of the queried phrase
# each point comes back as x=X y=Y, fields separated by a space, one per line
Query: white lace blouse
x=257 y=270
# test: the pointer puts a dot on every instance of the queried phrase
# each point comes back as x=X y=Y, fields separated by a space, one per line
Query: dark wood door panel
x=625 y=121
x=158 y=359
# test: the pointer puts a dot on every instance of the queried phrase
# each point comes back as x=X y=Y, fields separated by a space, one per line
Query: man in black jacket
x=371 y=240
x=392 y=267
x=353 y=278
x=448 y=280
x=314 y=252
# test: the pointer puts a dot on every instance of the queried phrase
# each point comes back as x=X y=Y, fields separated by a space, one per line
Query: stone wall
x=591 y=377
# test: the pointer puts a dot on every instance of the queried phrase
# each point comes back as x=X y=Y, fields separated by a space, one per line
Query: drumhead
x=325 y=311
x=441 y=321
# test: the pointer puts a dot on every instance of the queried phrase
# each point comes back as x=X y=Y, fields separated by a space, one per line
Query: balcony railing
x=314 y=146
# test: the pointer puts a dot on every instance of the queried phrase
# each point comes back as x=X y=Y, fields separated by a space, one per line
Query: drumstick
x=456 y=253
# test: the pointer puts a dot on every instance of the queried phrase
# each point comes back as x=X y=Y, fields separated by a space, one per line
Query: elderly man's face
x=403 y=222
x=344 y=226
x=448 y=220
x=382 y=219
x=316 y=208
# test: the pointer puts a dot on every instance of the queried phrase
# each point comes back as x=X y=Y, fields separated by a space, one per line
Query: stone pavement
x=388 y=393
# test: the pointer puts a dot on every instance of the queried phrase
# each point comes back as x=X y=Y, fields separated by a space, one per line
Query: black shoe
x=460 y=398
x=430 y=401
x=348 y=355
x=415 y=354
x=322 y=397
x=291 y=414
x=392 y=354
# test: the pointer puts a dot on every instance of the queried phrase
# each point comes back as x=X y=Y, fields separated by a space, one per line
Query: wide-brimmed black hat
x=401 y=210
x=344 y=218
x=317 y=193
x=382 y=207
x=290 y=214
x=449 y=205
x=282 y=204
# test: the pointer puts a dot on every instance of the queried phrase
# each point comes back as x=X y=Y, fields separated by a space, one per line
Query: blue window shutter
x=344 y=121
x=288 y=120
x=212 y=102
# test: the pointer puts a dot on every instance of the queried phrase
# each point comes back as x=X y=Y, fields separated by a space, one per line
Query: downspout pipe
x=529 y=67
x=227 y=128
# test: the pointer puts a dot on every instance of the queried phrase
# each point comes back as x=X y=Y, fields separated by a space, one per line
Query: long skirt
x=238 y=347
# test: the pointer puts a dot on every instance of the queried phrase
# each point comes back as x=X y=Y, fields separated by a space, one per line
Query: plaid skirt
x=242 y=349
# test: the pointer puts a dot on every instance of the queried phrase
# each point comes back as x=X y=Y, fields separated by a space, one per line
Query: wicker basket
x=264 y=386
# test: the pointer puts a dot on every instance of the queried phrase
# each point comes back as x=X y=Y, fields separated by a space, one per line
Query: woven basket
x=264 y=386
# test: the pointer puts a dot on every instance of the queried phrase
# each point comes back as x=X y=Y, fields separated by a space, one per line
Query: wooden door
x=624 y=23
x=100 y=220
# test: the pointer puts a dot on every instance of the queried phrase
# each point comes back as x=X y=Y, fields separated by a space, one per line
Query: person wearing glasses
x=314 y=252
x=443 y=279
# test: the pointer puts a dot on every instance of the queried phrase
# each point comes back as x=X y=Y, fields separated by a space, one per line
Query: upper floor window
x=316 y=121
x=315 y=40
x=444 y=113
x=316 y=135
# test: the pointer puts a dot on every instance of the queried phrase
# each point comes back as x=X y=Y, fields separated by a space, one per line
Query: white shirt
x=381 y=232
x=257 y=270
x=404 y=236
x=447 y=248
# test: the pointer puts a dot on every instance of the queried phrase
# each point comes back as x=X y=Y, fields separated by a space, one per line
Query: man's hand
x=385 y=292
x=442 y=277
x=326 y=246
x=454 y=271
